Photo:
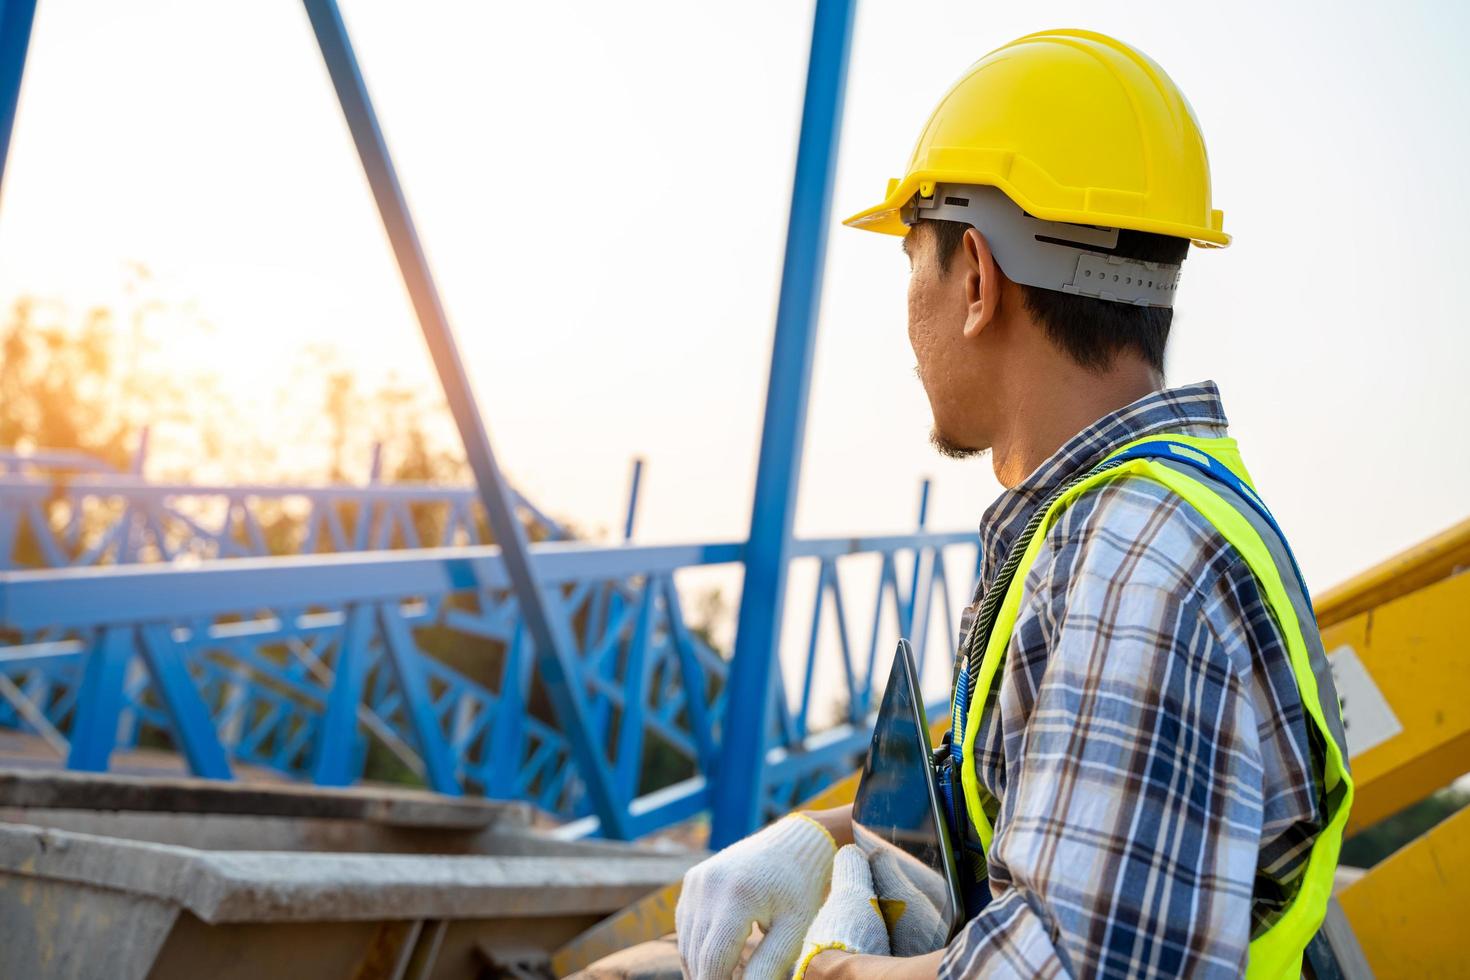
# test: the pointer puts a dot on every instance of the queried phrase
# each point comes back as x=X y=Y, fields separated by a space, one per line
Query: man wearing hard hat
x=1145 y=733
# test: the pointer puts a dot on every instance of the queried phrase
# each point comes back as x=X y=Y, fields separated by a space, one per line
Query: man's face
x=949 y=363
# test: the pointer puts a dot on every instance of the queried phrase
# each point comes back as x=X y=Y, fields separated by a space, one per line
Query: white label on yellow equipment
x=1367 y=720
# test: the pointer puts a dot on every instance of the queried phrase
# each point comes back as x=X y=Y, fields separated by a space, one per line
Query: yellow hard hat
x=1072 y=126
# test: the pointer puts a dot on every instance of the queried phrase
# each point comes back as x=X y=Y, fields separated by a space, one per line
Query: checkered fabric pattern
x=1144 y=755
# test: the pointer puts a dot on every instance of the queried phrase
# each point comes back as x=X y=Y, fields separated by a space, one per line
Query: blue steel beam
x=100 y=701
x=551 y=636
x=692 y=677
x=336 y=748
x=412 y=681
x=908 y=625
x=16 y=17
x=105 y=483
x=188 y=715
x=633 y=485
x=78 y=597
x=737 y=794
x=61 y=597
x=630 y=725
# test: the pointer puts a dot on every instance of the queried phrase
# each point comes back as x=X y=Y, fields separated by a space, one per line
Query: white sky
x=602 y=188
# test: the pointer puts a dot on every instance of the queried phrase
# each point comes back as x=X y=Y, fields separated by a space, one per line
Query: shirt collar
x=1191 y=410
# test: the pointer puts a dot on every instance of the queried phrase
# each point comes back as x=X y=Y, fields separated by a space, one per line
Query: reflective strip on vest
x=1277 y=952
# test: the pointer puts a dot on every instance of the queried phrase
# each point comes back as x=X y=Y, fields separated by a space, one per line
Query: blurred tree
x=76 y=386
x=60 y=388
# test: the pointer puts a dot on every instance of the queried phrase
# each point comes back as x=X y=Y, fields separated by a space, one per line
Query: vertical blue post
x=367 y=513
x=549 y=631
x=633 y=486
x=635 y=694
x=508 y=724
x=738 y=788
x=334 y=759
x=16 y=17
x=375 y=465
x=140 y=454
x=908 y=625
x=100 y=700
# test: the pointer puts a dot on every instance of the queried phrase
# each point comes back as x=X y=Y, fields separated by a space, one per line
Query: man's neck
x=1055 y=404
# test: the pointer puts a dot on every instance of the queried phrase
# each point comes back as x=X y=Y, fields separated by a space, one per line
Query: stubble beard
x=950 y=449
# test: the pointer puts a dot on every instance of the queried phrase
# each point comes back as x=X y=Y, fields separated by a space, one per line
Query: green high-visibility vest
x=1277 y=952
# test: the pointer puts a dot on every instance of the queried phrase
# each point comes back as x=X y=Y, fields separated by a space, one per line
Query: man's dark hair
x=1091 y=330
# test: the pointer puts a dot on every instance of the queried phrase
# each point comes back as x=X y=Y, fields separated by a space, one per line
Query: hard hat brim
x=884 y=218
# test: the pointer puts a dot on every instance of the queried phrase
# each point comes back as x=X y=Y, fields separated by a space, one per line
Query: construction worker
x=1149 y=746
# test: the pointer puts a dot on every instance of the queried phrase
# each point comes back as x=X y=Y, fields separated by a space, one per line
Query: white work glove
x=911 y=912
x=851 y=919
x=775 y=878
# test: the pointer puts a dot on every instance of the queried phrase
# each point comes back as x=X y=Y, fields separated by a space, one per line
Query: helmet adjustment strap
x=1052 y=255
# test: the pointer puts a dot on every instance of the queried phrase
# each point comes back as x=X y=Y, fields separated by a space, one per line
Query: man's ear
x=982 y=283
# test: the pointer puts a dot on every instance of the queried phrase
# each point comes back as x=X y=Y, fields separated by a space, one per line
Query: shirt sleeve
x=1128 y=836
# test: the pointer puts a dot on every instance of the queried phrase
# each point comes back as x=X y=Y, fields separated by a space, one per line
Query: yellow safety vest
x=1277 y=952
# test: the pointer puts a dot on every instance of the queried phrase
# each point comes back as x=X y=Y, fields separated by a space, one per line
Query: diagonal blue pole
x=16 y=17
x=738 y=788
x=193 y=728
x=550 y=633
x=418 y=702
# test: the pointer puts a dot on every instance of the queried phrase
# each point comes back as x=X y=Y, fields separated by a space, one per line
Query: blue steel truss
x=69 y=509
x=296 y=664
x=550 y=673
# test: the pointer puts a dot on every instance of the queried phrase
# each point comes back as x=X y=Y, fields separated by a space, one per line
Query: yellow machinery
x=1398 y=637
x=1408 y=622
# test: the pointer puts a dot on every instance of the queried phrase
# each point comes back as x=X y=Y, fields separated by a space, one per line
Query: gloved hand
x=850 y=920
x=911 y=911
x=775 y=878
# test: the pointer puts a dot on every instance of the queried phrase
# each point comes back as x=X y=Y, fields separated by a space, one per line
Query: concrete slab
x=105 y=876
x=269 y=886
x=60 y=930
x=232 y=832
x=61 y=789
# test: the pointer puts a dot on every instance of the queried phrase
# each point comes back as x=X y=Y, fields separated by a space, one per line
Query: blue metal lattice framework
x=238 y=662
x=546 y=672
x=73 y=510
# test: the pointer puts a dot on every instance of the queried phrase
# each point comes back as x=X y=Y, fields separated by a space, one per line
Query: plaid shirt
x=1154 y=766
